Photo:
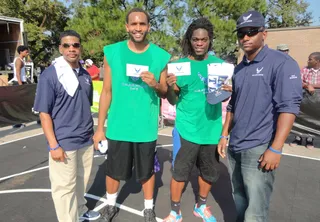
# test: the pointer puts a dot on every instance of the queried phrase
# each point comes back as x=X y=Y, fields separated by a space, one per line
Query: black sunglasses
x=250 y=33
x=74 y=45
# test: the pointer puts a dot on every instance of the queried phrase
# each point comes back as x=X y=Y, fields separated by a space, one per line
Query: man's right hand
x=171 y=79
x=97 y=137
x=58 y=155
x=222 y=145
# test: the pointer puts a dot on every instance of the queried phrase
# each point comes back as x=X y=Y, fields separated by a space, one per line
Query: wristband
x=55 y=148
x=275 y=151
x=224 y=137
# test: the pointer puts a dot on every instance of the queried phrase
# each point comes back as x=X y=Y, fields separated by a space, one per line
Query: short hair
x=22 y=48
x=137 y=10
x=316 y=55
x=200 y=23
x=69 y=33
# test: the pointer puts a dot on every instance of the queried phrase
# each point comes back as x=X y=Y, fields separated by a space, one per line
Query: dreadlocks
x=200 y=23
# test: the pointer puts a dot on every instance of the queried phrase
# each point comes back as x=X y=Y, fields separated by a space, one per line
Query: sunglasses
x=68 y=45
x=249 y=33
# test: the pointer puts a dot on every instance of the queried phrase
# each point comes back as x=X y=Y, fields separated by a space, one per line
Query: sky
x=314 y=7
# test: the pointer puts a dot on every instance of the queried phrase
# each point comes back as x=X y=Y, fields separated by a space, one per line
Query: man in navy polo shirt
x=64 y=97
x=267 y=92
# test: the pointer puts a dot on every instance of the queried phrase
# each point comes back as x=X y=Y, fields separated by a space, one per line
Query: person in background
x=283 y=48
x=19 y=71
x=92 y=69
x=310 y=82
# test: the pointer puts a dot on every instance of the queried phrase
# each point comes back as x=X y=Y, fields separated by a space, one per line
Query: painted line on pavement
x=98 y=208
x=22 y=138
x=22 y=173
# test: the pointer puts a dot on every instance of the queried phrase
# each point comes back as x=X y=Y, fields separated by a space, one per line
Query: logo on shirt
x=293 y=76
x=87 y=81
x=258 y=72
x=134 y=78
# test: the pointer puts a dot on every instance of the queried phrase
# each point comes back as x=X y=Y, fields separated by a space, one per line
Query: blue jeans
x=251 y=186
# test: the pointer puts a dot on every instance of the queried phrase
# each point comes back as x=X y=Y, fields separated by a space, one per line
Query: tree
x=288 y=13
x=224 y=14
x=103 y=22
x=44 y=20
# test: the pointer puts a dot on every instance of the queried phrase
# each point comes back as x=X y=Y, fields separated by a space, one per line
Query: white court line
x=22 y=138
x=38 y=134
x=22 y=173
x=121 y=206
x=304 y=157
x=45 y=167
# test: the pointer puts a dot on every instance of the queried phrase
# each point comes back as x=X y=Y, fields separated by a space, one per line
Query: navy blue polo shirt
x=72 y=120
x=262 y=88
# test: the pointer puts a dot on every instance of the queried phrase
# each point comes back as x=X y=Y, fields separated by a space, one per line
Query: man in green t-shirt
x=135 y=74
x=198 y=123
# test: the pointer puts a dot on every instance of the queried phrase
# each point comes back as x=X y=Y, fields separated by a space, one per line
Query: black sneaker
x=108 y=213
x=149 y=215
x=309 y=143
x=297 y=141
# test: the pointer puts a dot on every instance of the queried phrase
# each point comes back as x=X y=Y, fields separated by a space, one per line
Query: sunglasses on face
x=68 y=45
x=249 y=33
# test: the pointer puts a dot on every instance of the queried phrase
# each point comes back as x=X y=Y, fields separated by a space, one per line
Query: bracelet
x=55 y=148
x=275 y=151
x=224 y=137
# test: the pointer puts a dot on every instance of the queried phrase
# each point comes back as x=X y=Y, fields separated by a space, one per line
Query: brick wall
x=301 y=41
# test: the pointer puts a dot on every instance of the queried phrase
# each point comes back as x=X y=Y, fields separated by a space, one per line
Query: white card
x=180 y=69
x=136 y=70
x=214 y=69
x=221 y=69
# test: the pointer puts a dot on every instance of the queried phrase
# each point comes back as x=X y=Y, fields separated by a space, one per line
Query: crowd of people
x=266 y=93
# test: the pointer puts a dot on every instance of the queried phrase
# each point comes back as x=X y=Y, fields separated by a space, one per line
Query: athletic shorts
x=123 y=156
x=186 y=154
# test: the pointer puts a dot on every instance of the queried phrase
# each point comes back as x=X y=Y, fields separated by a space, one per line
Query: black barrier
x=16 y=104
x=308 y=120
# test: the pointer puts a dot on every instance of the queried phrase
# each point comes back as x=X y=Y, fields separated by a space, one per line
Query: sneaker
x=204 y=212
x=309 y=143
x=173 y=217
x=149 y=215
x=89 y=215
x=109 y=212
x=297 y=142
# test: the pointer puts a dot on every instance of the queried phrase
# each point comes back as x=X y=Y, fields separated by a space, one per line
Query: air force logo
x=246 y=19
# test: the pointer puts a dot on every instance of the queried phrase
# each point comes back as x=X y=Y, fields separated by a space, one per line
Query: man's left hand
x=269 y=160
x=148 y=78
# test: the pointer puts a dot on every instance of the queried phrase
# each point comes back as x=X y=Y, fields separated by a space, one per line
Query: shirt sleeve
x=287 y=87
x=45 y=95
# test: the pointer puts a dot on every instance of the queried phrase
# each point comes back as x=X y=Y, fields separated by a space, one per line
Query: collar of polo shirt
x=259 y=57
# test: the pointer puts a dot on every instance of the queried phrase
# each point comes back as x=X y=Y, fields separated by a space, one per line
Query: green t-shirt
x=134 y=109
x=196 y=120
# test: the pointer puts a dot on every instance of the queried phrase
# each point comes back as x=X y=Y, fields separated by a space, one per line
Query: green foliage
x=223 y=15
x=102 y=22
x=288 y=13
x=43 y=19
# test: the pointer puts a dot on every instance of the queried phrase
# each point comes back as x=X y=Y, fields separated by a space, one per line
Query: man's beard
x=138 y=41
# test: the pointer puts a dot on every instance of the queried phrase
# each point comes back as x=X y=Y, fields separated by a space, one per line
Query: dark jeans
x=251 y=186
